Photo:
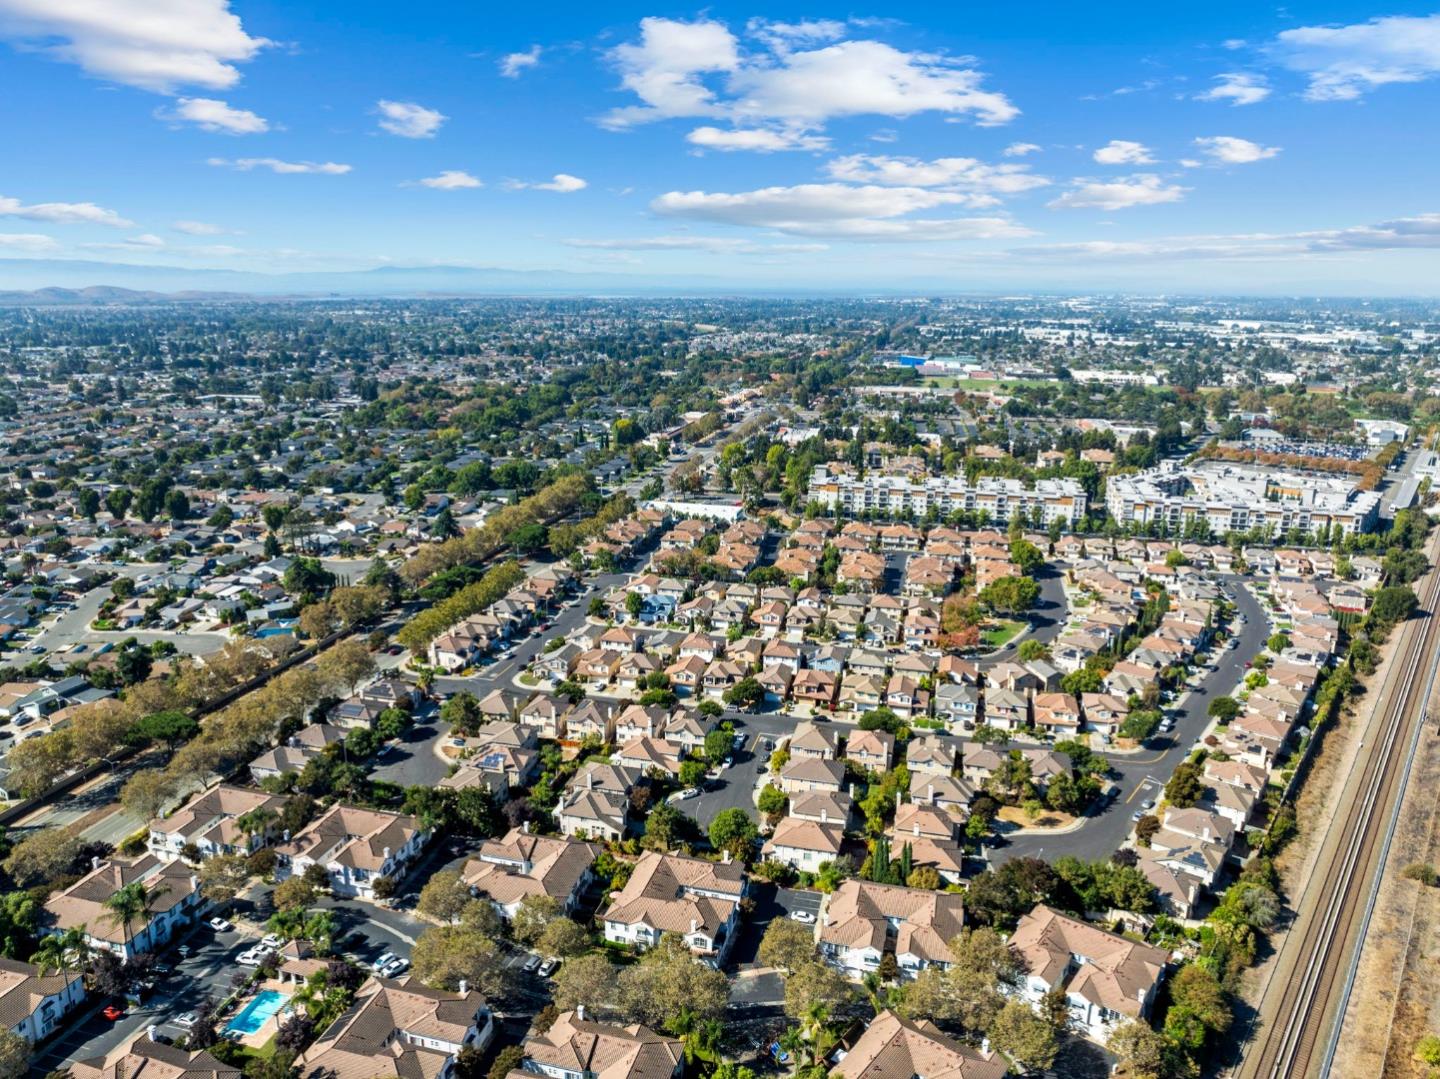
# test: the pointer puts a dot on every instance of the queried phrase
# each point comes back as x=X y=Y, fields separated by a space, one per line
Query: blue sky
x=1224 y=147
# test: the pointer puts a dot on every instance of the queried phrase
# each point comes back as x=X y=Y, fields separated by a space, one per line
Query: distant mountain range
x=87 y=282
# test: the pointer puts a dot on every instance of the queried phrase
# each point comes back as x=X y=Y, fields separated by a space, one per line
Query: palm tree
x=62 y=951
x=131 y=902
x=256 y=822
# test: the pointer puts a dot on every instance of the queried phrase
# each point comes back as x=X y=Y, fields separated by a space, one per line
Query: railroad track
x=1339 y=894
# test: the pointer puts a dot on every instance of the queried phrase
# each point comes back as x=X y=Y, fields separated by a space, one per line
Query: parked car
x=220 y=925
x=270 y=940
x=532 y=964
x=548 y=967
x=802 y=916
x=379 y=964
x=112 y=1012
x=394 y=968
x=685 y=795
x=186 y=1020
x=252 y=958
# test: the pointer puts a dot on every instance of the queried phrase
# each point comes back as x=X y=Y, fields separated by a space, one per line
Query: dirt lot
x=1396 y=998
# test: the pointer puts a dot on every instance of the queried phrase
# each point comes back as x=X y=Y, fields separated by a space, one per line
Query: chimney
x=194 y=883
x=898 y=801
x=917 y=829
x=151 y=1031
x=94 y=862
x=824 y=816
x=590 y=780
x=693 y=924
x=525 y=827
x=580 y=1012
x=464 y=987
x=930 y=793
x=386 y=855
x=285 y=835
x=725 y=857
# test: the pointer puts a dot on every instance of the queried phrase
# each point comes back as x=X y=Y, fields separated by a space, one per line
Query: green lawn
x=999 y=634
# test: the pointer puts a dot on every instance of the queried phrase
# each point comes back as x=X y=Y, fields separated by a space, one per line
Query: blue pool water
x=252 y=1017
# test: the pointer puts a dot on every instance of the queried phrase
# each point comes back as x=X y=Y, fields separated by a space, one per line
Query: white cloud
x=197 y=228
x=1124 y=152
x=1020 y=149
x=1421 y=232
x=274 y=164
x=839 y=211
x=857 y=78
x=663 y=70
x=451 y=180
x=788 y=85
x=1142 y=189
x=1238 y=88
x=1345 y=62
x=28 y=242
x=715 y=244
x=409 y=120
x=512 y=65
x=63 y=213
x=561 y=182
x=156 y=45
x=209 y=114
x=983 y=182
x=144 y=242
x=760 y=139
x=1228 y=150
x=783 y=36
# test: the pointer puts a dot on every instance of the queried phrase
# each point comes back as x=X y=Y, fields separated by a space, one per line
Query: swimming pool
x=252 y=1017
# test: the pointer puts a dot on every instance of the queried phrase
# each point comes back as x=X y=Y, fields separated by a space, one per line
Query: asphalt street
x=1140 y=777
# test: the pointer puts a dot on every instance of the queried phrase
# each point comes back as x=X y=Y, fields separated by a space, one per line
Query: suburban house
x=147 y=1058
x=354 y=846
x=896 y=1048
x=805 y=845
x=862 y=921
x=32 y=1003
x=669 y=893
x=578 y=1048
x=522 y=864
x=1106 y=977
x=175 y=901
x=223 y=820
x=400 y=1031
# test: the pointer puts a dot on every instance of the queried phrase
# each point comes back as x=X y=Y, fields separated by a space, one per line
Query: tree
x=1010 y=595
x=589 y=980
x=1024 y=1037
x=37 y=763
x=462 y=713
x=669 y=981
x=223 y=877
x=772 y=801
x=177 y=505
x=1026 y=556
x=534 y=915
x=1186 y=785
x=733 y=830
x=170 y=727
x=293 y=893
x=347 y=664
x=1141 y=1051
x=786 y=944
x=146 y=793
x=814 y=983
x=926 y=877
x=42 y=856
x=444 y=896
x=1031 y=650
x=717 y=745
x=294 y=1034
x=507 y=1060
x=1223 y=709
x=1392 y=604
x=746 y=694
x=14 y=1056
x=564 y=937
x=634 y=604
x=307 y=577
x=128 y=904
x=1197 y=993
x=445 y=954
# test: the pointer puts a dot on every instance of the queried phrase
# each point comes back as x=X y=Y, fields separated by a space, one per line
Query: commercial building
x=1236 y=498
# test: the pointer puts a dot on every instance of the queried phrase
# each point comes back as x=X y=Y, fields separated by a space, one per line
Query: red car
x=112 y=1012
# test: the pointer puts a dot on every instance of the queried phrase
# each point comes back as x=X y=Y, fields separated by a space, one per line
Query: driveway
x=89 y=1034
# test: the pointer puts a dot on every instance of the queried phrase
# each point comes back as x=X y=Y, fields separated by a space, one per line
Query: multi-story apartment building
x=1062 y=500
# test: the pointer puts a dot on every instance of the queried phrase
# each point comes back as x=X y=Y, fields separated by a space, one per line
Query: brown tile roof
x=603 y=1050
x=896 y=1048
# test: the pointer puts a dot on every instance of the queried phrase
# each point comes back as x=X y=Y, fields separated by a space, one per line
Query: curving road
x=1139 y=777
